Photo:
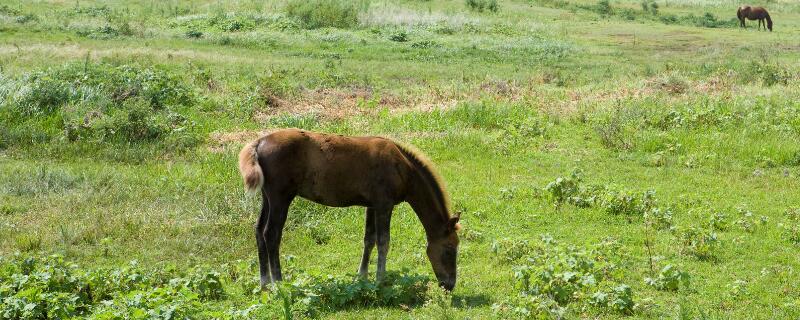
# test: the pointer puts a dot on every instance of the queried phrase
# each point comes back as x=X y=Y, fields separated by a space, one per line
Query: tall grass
x=315 y=14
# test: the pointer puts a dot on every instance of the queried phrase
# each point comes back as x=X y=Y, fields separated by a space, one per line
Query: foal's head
x=442 y=252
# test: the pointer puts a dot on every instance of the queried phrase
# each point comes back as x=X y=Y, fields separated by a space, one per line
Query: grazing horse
x=754 y=13
x=341 y=171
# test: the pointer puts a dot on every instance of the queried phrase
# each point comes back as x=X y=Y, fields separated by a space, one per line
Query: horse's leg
x=369 y=242
x=263 y=261
x=383 y=217
x=278 y=210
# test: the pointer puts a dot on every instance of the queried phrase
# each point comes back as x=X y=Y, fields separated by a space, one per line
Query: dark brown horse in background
x=754 y=13
x=341 y=171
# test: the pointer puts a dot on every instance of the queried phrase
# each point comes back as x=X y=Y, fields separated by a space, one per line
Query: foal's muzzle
x=448 y=285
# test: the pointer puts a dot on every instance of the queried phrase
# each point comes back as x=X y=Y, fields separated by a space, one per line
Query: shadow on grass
x=470 y=301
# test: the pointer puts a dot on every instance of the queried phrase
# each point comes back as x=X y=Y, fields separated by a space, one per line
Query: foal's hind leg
x=369 y=242
x=383 y=219
x=278 y=210
x=263 y=260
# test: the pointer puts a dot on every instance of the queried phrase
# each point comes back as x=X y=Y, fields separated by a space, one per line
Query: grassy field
x=618 y=159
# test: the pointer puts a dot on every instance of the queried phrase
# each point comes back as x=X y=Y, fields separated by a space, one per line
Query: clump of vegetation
x=315 y=14
x=791 y=227
x=115 y=25
x=650 y=6
x=613 y=201
x=771 y=73
x=718 y=221
x=33 y=287
x=518 y=135
x=569 y=190
x=603 y=7
x=49 y=287
x=649 y=12
x=399 y=36
x=709 y=20
x=194 y=34
x=622 y=202
x=700 y=242
x=103 y=102
x=481 y=5
x=748 y=221
x=274 y=85
x=17 y=15
x=219 y=22
x=553 y=278
x=669 y=278
x=659 y=218
x=614 y=132
x=511 y=250
x=91 y=11
x=8 y=209
x=317 y=294
x=672 y=83
x=426 y=44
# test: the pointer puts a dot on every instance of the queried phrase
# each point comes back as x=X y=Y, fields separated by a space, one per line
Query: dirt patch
x=219 y=141
x=674 y=87
x=330 y=103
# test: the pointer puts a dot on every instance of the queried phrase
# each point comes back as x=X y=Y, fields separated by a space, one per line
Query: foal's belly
x=336 y=201
x=353 y=188
x=334 y=191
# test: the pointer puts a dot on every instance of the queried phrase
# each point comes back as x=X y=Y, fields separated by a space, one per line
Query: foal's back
x=334 y=170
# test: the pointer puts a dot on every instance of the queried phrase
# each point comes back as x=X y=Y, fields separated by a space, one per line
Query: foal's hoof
x=265 y=284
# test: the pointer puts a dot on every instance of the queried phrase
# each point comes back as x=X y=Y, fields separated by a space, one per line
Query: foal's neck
x=428 y=208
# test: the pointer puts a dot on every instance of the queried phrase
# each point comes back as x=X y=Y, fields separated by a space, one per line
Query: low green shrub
x=718 y=221
x=87 y=101
x=510 y=250
x=399 y=36
x=481 y=5
x=669 y=278
x=552 y=278
x=314 y=14
x=49 y=287
x=699 y=242
x=790 y=229
x=659 y=218
x=612 y=200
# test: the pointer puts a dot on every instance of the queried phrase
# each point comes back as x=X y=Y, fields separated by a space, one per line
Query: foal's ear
x=452 y=224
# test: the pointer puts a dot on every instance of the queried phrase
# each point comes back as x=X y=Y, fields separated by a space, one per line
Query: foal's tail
x=769 y=21
x=248 y=165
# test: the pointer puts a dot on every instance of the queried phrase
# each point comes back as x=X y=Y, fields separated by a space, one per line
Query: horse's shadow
x=470 y=301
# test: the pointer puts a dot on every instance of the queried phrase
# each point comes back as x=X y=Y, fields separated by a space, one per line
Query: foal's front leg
x=383 y=218
x=369 y=243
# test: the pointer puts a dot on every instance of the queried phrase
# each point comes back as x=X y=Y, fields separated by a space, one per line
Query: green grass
x=120 y=122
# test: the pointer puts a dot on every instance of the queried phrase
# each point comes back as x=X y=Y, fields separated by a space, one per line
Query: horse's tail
x=769 y=21
x=251 y=171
